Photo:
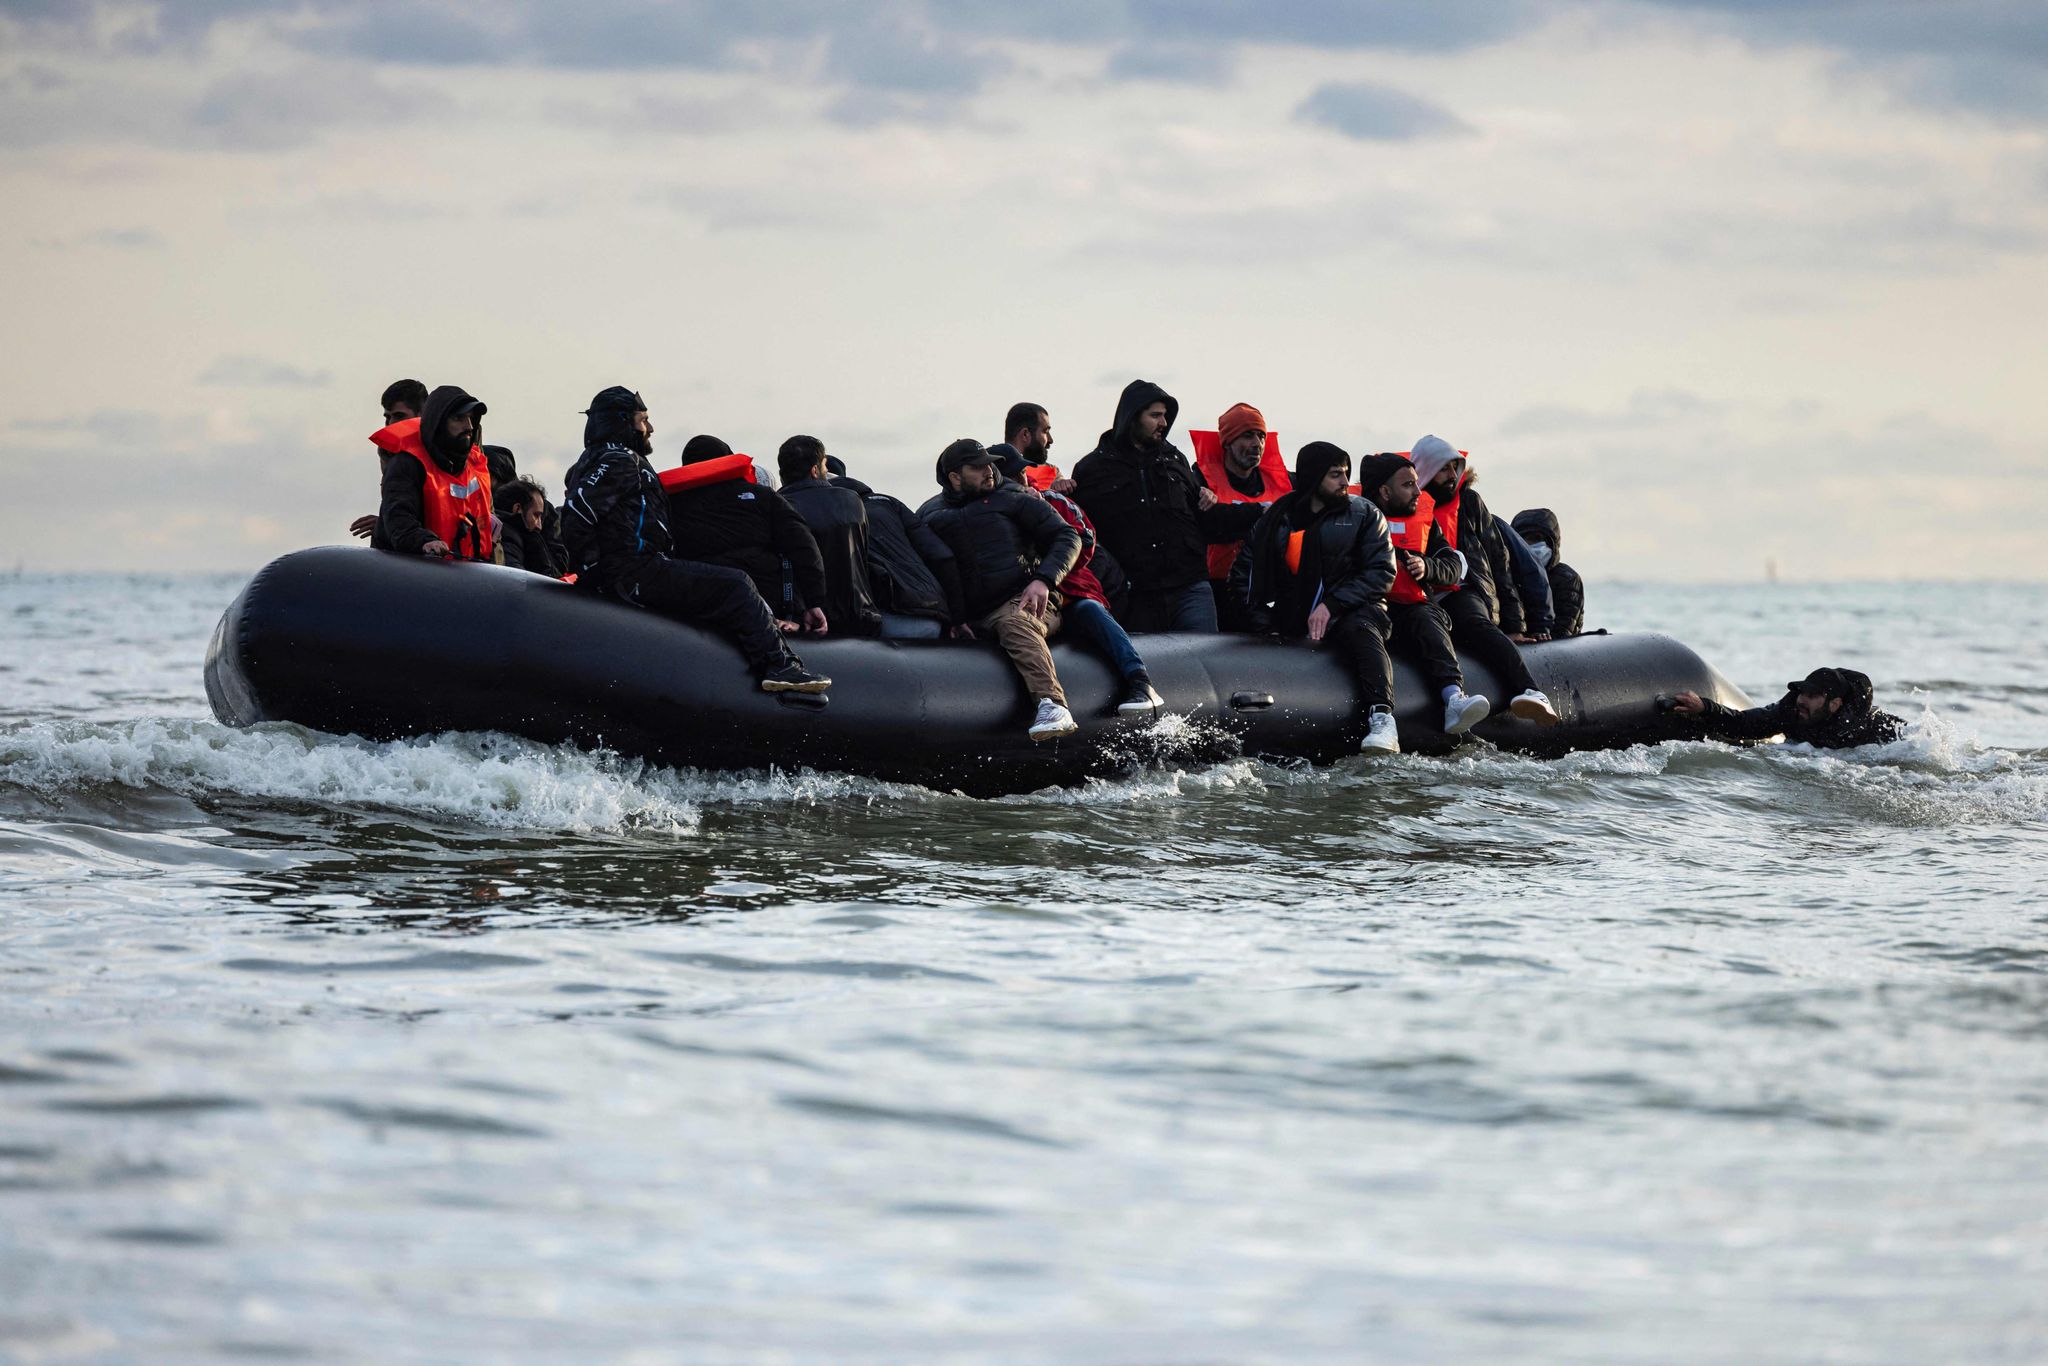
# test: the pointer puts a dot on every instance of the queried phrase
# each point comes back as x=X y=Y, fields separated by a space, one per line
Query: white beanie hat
x=1430 y=455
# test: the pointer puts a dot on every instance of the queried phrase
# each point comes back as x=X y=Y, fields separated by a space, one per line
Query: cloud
x=1646 y=410
x=1373 y=113
x=1193 y=63
x=249 y=372
x=113 y=239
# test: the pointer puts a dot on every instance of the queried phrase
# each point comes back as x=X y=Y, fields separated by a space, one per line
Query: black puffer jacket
x=401 y=511
x=1142 y=501
x=838 y=519
x=1567 y=589
x=614 y=513
x=1001 y=540
x=1347 y=560
x=1859 y=722
x=1488 y=571
x=753 y=528
x=910 y=567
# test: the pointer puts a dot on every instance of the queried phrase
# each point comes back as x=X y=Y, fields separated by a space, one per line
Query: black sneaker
x=791 y=677
x=1140 y=699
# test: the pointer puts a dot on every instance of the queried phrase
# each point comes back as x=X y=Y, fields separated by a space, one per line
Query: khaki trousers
x=1023 y=638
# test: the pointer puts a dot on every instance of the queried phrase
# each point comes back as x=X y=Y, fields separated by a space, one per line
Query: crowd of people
x=1397 y=550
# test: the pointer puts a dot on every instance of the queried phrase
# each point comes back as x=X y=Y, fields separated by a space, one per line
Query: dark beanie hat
x=704 y=447
x=617 y=399
x=835 y=467
x=1376 y=470
x=1315 y=460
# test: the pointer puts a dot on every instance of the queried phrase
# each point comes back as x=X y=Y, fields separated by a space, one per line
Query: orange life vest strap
x=1041 y=477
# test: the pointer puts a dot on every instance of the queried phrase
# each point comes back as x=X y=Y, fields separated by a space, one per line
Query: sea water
x=466 y=1048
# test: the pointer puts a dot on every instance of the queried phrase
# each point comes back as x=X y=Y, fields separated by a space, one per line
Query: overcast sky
x=1720 y=281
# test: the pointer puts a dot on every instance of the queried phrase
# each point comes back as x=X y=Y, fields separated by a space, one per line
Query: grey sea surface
x=467 y=1049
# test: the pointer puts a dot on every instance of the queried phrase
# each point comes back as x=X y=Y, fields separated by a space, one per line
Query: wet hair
x=517 y=493
x=704 y=447
x=410 y=392
x=1021 y=415
x=798 y=457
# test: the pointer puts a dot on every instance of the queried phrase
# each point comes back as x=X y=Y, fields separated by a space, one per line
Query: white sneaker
x=1464 y=711
x=1053 y=721
x=1381 y=738
x=1534 y=705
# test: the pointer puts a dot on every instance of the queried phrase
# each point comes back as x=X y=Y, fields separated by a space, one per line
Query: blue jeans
x=1088 y=620
x=1192 y=608
x=897 y=627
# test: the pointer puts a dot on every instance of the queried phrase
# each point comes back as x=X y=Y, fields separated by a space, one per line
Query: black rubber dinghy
x=357 y=641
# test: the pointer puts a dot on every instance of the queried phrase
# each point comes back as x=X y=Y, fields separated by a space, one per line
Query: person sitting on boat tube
x=1242 y=465
x=615 y=528
x=1027 y=429
x=1485 y=610
x=437 y=484
x=1828 y=709
x=1318 y=564
x=912 y=571
x=838 y=522
x=1012 y=551
x=1424 y=563
x=1085 y=607
x=735 y=519
x=402 y=399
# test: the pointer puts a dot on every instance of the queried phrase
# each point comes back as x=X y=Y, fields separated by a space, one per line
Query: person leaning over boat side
x=746 y=525
x=1012 y=549
x=1828 y=709
x=1027 y=429
x=1485 y=612
x=1420 y=627
x=615 y=525
x=523 y=530
x=1539 y=530
x=838 y=522
x=437 y=484
x=1237 y=472
x=1151 y=512
x=915 y=579
x=402 y=399
x=1084 y=606
x=1318 y=564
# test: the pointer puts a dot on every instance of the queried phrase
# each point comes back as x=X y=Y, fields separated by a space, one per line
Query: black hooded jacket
x=614 y=513
x=1567 y=589
x=753 y=528
x=1001 y=540
x=1347 y=560
x=838 y=519
x=1142 y=501
x=1488 y=571
x=401 y=512
x=537 y=552
x=1859 y=722
x=910 y=567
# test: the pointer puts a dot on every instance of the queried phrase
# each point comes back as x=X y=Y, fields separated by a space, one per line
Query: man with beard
x=1828 y=709
x=1244 y=469
x=838 y=522
x=1027 y=429
x=1485 y=612
x=1318 y=564
x=1012 y=551
x=437 y=482
x=1424 y=562
x=1150 y=510
x=615 y=526
x=912 y=571
x=402 y=399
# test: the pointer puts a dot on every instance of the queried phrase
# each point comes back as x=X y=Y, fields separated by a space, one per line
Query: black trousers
x=708 y=595
x=1360 y=635
x=1476 y=637
x=1422 y=632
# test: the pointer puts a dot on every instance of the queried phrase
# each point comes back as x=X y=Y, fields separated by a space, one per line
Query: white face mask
x=1541 y=550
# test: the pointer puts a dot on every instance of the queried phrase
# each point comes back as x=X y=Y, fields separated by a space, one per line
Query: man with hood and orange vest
x=1152 y=513
x=1483 y=606
x=1318 y=564
x=615 y=528
x=436 y=487
x=1243 y=467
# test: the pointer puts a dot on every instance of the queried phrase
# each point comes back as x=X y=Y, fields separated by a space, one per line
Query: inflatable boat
x=363 y=642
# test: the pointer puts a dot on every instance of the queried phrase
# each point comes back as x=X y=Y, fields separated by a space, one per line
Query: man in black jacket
x=1013 y=551
x=1539 y=530
x=401 y=399
x=1485 y=611
x=1828 y=709
x=750 y=527
x=1317 y=563
x=615 y=526
x=910 y=567
x=838 y=520
x=1152 y=513
x=523 y=530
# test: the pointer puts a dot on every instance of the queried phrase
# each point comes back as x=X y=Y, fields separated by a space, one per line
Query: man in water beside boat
x=1086 y=605
x=1012 y=551
x=615 y=526
x=1828 y=709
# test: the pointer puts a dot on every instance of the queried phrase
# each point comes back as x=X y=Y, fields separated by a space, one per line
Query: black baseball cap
x=962 y=453
x=1823 y=682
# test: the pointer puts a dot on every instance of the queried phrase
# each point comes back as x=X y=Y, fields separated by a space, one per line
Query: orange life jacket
x=1041 y=477
x=1209 y=459
x=715 y=471
x=1410 y=533
x=456 y=508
